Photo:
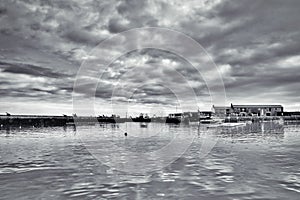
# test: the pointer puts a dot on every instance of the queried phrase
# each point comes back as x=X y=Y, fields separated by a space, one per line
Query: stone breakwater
x=45 y=121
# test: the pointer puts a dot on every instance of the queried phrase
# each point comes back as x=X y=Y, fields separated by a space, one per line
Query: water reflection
x=257 y=132
x=255 y=161
x=257 y=127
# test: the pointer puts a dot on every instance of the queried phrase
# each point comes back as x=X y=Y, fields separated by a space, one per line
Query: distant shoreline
x=44 y=121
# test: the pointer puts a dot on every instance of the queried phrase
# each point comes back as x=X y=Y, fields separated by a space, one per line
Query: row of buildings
x=248 y=110
x=234 y=110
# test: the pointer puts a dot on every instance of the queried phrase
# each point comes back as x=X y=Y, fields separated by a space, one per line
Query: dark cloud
x=27 y=69
x=255 y=44
x=115 y=26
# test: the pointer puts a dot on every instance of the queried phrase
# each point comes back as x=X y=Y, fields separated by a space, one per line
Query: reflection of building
x=257 y=110
x=265 y=129
x=221 y=111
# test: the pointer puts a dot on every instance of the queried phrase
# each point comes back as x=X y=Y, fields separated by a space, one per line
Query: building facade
x=257 y=110
x=221 y=111
x=175 y=115
x=247 y=110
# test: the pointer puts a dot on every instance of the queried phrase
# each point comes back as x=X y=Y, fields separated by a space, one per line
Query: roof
x=257 y=106
x=190 y=112
x=175 y=114
x=221 y=107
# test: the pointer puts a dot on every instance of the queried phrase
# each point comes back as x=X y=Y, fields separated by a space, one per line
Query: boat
x=211 y=121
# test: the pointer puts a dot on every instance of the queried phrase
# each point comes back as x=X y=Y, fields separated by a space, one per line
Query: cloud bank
x=254 y=43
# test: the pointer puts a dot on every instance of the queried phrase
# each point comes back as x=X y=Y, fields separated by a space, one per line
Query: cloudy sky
x=254 y=43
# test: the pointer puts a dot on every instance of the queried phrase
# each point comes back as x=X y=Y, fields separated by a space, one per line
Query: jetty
x=45 y=121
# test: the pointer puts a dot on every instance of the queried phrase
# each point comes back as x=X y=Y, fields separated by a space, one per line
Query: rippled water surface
x=260 y=161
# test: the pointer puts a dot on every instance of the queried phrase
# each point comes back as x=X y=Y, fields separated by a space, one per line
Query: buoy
x=125 y=133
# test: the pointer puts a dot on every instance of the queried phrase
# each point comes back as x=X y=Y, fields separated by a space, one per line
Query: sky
x=255 y=45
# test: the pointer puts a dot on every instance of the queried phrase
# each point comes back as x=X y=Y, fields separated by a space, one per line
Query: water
x=259 y=161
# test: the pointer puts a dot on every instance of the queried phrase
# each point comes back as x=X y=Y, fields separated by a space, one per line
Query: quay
x=228 y=114
x=45 y=121
x=34 y=120
x=64 y=120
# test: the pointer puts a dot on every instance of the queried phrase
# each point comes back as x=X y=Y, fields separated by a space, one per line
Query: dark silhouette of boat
x=141 y=118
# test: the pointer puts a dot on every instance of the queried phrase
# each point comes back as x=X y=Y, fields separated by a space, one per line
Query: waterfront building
x=247 y=110
x=257 y=110
x=221 y=111
x=289 y=114
x=205 y=114
x=176 y=115
x=190 y=115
